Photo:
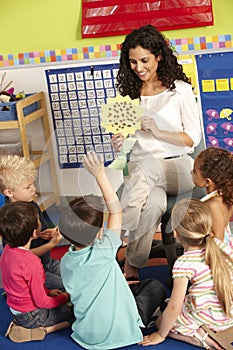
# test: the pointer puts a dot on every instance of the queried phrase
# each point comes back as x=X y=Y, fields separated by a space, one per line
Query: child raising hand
x=104 y=307
x=109 y=313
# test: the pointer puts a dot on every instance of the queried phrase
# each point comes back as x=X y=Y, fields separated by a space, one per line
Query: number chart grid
x=76 y=95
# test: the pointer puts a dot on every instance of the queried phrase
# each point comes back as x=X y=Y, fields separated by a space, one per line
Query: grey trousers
x=144 y=200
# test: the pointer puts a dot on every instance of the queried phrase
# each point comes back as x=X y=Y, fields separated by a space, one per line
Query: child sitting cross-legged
x=36 y=310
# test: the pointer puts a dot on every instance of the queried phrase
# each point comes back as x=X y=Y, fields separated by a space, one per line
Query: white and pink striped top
x=201 y=305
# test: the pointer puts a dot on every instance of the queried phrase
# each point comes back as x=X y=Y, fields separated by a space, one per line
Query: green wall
x=29 y=25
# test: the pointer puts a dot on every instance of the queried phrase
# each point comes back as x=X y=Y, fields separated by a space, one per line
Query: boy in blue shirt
x=106 y=312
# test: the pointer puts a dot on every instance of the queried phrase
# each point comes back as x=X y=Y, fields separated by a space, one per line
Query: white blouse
x=175 y=111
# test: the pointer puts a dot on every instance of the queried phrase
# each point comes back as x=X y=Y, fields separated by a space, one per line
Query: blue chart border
x=76 y=95
x=215 y=74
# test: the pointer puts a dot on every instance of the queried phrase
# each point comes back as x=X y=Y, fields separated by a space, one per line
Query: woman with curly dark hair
x=213 y=169
x=168 y=69
x=160 y=163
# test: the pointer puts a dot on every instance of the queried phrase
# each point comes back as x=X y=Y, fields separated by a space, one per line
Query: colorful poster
x=215 y=74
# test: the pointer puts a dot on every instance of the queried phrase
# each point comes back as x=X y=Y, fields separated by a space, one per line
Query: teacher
x=159 y=163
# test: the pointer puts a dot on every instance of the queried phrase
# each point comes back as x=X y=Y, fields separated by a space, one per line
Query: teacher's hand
x=117 y=142
x=149 y=125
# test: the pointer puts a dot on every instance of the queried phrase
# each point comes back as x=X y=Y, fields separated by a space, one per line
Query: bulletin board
x=215 y=74
x=76 y=95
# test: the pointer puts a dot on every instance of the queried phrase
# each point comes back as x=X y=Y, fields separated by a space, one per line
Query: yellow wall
x=29 y=25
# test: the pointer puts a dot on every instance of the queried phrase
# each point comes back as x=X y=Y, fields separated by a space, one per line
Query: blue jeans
x=53 y=275
x=45 y=317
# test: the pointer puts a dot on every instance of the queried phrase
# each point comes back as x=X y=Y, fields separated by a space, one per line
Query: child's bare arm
x=170 y=314
x=95 y=166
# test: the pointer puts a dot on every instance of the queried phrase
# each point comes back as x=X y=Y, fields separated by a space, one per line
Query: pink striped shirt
x=201 y=305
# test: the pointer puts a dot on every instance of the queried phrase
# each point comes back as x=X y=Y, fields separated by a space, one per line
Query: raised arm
x=94 y=165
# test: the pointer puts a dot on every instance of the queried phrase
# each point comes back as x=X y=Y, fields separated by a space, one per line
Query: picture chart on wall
x=76 y=95
x=215 y=73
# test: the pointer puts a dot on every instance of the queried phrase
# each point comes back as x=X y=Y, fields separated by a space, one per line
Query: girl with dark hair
x=213 y=170
x=160 y=163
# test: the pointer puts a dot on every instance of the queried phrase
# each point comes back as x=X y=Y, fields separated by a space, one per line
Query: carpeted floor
x=156 y=268
x=61 y=340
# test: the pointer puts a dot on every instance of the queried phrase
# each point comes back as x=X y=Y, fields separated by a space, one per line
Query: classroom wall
x=28 y=26
x=32 y=79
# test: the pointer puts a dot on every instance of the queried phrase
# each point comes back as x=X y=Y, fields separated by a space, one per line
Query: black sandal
x=132 y=278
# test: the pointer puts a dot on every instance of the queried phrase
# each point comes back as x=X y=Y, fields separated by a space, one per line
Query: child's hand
x=55 y=292
x=48 y=233
x=56 y=237
x=152 y=339
x=93 y=163
x=67 y=296
x=117 y=142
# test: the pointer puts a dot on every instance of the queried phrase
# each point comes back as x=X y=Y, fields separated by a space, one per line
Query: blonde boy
x=17 y=177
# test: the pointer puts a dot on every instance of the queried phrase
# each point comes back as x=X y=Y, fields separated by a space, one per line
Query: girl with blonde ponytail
x=204 y=316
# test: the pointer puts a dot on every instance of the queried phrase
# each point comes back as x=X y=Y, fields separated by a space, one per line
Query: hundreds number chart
x=76 y=95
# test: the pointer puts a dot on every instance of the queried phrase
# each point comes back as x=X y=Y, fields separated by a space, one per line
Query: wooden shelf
x=40 y=157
